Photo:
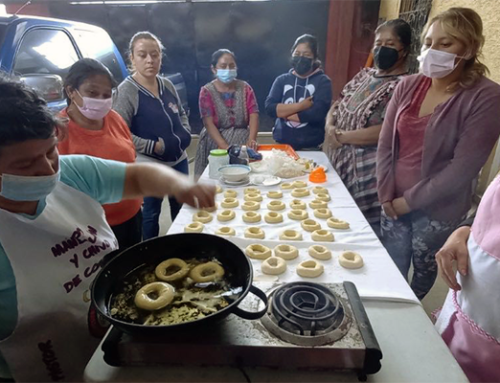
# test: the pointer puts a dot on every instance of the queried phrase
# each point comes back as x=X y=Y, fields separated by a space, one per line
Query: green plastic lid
x=218 y=152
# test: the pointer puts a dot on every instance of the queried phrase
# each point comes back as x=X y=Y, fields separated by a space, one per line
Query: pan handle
x=253 y=314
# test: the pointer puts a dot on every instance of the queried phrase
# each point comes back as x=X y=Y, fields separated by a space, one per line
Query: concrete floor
x=431 y=302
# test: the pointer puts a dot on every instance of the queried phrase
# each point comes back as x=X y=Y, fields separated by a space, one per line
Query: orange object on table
x=318 y=175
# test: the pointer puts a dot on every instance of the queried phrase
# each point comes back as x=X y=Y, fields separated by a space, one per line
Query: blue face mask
x=227 y=75
x=24 y=188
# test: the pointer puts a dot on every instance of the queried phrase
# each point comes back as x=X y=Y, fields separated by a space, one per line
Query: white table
x=413 y=350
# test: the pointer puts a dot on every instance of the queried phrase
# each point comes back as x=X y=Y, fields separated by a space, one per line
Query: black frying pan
x=185 y=246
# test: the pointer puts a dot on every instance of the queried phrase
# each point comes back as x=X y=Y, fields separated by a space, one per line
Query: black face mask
x=301 y=64
x=385 y=57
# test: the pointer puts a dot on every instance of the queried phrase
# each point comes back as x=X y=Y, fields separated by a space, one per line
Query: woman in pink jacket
x=438 y=131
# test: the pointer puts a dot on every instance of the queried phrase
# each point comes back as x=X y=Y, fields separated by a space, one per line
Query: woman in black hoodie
x=300 y=99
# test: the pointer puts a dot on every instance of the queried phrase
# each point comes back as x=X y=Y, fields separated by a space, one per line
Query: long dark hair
x=218 y=54
x=312 y=42
x=82 y=70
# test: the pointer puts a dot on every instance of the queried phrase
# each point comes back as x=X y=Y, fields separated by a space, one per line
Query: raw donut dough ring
x=351 y=260
x=317 y=204
x=195 y=227
x=276 y=205
x=251 y=217
x=320 y=252
x=250 y=206
x=258 y=251
x=291 y=235
x=322 y=213
x=300 y=192
x=286 y=186
x=275 y=194
x=165 y=295
x=256 y=197
x=218 y=189
x=298 y=215
x=322 y=236
x=286 y=252
x=336 y=223
x=226 y=215
x=298 y=204
x=254 y=232
x=310 y=269
x=161 y=270
x=320 y=190
x=229 y=203
x=251 y=190
x=207 y=272
x=299 y=184
x=310 y=225
x=230 y=193
x=273 y=266
x=323 y=197
x=273 y=217
x=225 y=230
x=202 y=216
x=210 y=209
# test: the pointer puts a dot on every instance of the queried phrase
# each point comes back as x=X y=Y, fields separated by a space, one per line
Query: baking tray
x=286 y=148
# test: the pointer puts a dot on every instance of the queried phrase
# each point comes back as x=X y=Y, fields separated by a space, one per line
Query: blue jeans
x=151 y=209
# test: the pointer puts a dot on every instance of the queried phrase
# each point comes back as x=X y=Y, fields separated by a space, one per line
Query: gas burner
x=306 y=314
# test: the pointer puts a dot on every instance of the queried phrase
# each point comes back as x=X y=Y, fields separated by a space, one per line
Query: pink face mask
x=437 y=64
x=94 y=108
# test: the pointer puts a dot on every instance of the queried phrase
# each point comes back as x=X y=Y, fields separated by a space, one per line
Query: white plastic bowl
x=235 y=173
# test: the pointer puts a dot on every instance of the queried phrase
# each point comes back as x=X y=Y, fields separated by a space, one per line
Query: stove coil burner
x=306 y=314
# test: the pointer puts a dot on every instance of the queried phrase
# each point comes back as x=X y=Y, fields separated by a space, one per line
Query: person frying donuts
x=54 y=235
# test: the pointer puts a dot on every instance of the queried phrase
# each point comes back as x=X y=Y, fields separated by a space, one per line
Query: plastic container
x=217 y=159
x=318 y=175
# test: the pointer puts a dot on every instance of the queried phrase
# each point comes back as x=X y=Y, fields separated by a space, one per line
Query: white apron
x=54 y=257
x=469 y=321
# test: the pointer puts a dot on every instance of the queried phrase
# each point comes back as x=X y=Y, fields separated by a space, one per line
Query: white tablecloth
x=377 y=279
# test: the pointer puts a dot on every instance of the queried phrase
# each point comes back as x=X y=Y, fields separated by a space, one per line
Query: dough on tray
x=251 y=190
x=254 y=232
x=320 y=252
x=273 y=217
x=301 y=192
x=287 y=252
x=251 y=217
x=202 y=216
x=256 y=197
x=230 y=193
x=298 y=215
x=322 y=236
x=229 y=203
x=276 y=205
x=226 y=215
x=299 y=184
x=273 y=266
x=286 y=186
x=320 y=190
x=336 y=223
x=323 y=197
x=226 y=230
x=351 y=260
x=291 y=235
x=275 y=194
x=298 y=204
x=310 y=225
x=310 y=269
x=258 y=251
x=195 y=227
x=317 y=204
x=250 y=206
x=322 y=213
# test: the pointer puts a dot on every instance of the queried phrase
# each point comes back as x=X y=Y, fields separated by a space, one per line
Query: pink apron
x=470 y=319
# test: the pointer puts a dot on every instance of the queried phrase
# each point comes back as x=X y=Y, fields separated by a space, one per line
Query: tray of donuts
x=174 y=282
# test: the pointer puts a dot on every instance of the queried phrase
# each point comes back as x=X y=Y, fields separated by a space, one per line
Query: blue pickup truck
x=41 y=51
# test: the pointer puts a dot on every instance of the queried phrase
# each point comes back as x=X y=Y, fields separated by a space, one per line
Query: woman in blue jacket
x=301 y=98
x=160 y=128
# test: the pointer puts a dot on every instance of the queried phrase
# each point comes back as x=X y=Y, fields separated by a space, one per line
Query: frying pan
x=238 y=271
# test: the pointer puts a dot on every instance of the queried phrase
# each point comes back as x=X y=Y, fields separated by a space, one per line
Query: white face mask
x=437 y=64
x=28 y=188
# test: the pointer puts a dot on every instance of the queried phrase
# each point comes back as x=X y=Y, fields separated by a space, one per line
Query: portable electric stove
x=307 y=326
